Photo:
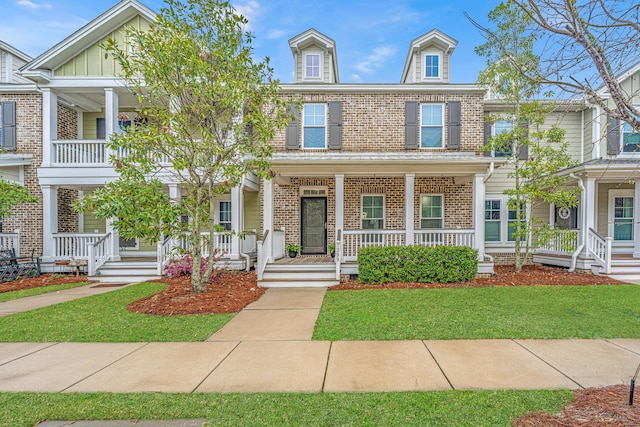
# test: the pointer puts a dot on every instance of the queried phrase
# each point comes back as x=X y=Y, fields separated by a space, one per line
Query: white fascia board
x=9 y=159
x=85 y=82
x=15 y=52
x=409 y=87
x=19 y=87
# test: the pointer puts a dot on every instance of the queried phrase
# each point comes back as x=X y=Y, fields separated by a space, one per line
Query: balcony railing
x=88 y=152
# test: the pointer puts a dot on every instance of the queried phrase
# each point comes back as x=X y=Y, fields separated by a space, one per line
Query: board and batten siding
x=91 y=224
x=89 y=124
x=92 y=61
x=251 y=211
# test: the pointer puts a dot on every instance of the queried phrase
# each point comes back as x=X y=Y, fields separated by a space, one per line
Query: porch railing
x=338 y=253
x=248 y=242
x=264 y=253
x=565 y=242
x=278 y=244
x=353 y=240
x=99 y=253
x=10 y=241
x=600 y=248
x=73 y=245
x=80 y=152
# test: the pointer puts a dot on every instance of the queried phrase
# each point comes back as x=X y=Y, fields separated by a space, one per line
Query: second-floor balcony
x=87 y=153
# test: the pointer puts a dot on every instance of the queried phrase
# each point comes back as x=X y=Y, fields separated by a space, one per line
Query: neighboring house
x=20 y=149
x=360 y=165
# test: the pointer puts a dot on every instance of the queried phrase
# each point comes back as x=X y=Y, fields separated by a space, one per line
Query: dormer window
x=432 y=66
x=312 y=68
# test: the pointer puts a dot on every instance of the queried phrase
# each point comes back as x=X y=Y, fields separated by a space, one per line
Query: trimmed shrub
x=422 y=264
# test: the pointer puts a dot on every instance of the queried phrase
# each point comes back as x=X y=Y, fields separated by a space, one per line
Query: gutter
x=574 y=256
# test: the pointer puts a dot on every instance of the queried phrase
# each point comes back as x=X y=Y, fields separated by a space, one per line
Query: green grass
x=499 y=312
x=442 y=408
x=8 y=296
x=104 y=318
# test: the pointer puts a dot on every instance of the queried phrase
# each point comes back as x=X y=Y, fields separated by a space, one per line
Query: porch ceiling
x=379 y=164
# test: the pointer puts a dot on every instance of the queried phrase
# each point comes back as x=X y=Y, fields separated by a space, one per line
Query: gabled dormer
x=315 y=58
x=11 y=60
x=429 y=59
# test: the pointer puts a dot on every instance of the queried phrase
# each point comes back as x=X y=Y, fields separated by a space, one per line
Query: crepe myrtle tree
x=535 y=152
x=12 y=195
x=207 y=111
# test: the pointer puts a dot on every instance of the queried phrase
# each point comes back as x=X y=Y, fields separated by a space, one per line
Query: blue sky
x=372 y=37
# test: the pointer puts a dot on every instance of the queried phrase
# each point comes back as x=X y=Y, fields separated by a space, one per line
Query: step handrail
x=263 y=253
x=99 y=253
x=600 y=248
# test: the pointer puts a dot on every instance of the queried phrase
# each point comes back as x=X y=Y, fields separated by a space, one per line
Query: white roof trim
x=10 y=159
x=326 y=42
x=387 y=87
x=15 y=52
x=604 y=90
x=41 y=67
x=447 y=43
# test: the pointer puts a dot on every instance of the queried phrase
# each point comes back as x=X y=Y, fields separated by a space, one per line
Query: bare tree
x=585 y=47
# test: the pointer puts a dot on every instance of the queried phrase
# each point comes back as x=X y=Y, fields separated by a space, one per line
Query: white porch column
x=478 y=214
x=49 y=221
x=339 y=204
x=636 y=221
x=237 y=225
x=267 y=213
x=111 y=108
x=589 y=205
x=115 y=248
x=409 y=203
x=49 y=124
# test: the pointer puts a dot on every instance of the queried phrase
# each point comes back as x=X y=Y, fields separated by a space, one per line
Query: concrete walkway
x=268 y=348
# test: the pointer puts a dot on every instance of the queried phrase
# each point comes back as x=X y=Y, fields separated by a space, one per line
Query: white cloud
x=250 y=10
x=31 y=5
x=376 y=59
x=356 y=78
x=275 y=34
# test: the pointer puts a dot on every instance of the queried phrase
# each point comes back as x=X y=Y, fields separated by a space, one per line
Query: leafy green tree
x=11 y=195
x=535 y=153
x=207 y=111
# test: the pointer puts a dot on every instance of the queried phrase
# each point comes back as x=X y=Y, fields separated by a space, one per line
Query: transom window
x=225 y=215
x=431 y=66
x=431 y=211
x=372 y=212
x=431 y=125
x=492 y=221
x=500 y=127
x=630 y=139
x=312 y=66
x=314 y=124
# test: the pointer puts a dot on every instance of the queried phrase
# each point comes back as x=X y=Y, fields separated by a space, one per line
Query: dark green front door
x=314 y=225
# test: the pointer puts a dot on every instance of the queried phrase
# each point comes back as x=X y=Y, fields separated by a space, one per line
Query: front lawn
x=477 y=313
x=441 y=408
x=8 y=296
x=104 y=318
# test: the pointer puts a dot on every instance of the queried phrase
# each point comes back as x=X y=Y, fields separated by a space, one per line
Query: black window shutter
x=411 y=118
x=293 y=134
x=613 y=136
x=335 y=125
x=487 y=135
x=453 y=125
x=9 y=126
x=523 y=147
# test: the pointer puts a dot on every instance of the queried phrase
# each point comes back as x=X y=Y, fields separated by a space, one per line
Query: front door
x=313 y=225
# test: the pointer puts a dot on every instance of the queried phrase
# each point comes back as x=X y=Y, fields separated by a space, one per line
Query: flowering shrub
x=184 y=266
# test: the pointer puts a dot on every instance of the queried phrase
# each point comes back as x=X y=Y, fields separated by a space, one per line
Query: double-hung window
x=431 y=125
x=224 y=215
x=492 y=223
x=500 y=127
x=431 y=211
x=314 y=122
x=623 y=218
x=512 y=221
x=312 y=66
x=630 y=139
x=432 y=66
x=373 y=217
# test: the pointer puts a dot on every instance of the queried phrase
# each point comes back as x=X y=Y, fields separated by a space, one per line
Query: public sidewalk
x=268 y=348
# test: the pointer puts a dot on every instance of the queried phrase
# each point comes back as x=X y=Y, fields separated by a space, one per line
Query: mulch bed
x=593 y=407
x=40 y=281
x=230 y=293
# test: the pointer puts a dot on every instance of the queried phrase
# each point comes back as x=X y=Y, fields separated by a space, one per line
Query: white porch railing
x=338 y=253
x=564 y=243
x=80 y=152
x=600 y=248
x=99 y=253
x=353 y=240
x=264 y=253
x=278 y=244
x=10 y=241
x=73 y=245
x=248 y=242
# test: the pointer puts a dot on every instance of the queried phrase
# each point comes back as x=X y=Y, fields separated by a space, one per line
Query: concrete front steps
x=622 y=269
x=126 y=271
x=299 y=275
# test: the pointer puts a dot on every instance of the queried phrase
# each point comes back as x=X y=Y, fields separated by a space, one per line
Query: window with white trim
x=512 y=221
x=314 y=123
x=373 y=212
x=431 y=66
x=224 y=215
x=432 y=211
x=630 y=139
x=312 y=66
x=500 y=127
x=431 y=125
x=622 y=218
x=492 y=220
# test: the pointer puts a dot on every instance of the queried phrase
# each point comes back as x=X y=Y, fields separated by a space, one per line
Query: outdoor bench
x=12 y=267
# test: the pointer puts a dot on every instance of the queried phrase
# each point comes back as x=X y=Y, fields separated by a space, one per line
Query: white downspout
x=486 y=178
x=583 y=231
